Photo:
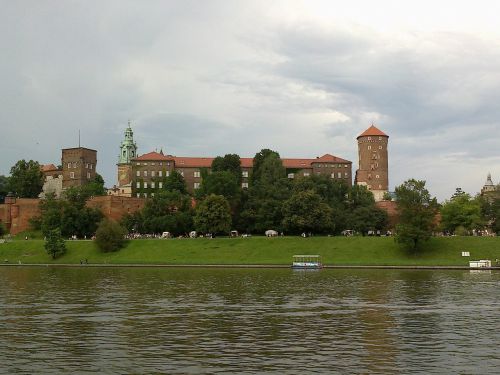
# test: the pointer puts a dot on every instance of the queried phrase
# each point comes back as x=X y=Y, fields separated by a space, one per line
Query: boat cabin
x=307 y=261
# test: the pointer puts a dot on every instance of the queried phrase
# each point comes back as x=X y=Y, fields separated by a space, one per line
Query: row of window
x=332 y=165
x=370 y=147
x=75 y=165
x=167 y=173
x=370 y=138
x=153 y=163
x=153 y=185
x=72 y=175
x=153 y=173
x=306 y=174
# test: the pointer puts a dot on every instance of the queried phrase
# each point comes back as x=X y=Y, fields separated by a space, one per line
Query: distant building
x=490 y=190
x=78 y=166
x=128 y=151
x=53 y=181
x=373 y=169
x=150 y=170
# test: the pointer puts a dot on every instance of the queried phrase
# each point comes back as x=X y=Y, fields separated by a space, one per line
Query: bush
x=2 y=229
x=54 y=243
x=110 y=236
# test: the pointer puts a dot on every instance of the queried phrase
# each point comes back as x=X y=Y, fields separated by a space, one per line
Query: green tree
x=417 y=213
x=228 y=163
x=213 y=215
x=4 y=182
x=263 y=206
x=490 y=210
x=305 y=211
x=3 y=230
x=110 y=236
x=175 y=182
x=359 y=196
x=365 y=218
x=167 y=211
x=26 y=179
x=220 y=183
x=54 y=243
x=461 y=211
x=258 y=160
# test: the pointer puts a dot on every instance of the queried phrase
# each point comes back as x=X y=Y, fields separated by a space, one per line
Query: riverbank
x=261 y=251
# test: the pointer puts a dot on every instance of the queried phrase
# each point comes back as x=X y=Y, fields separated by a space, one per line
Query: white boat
x=307 y=261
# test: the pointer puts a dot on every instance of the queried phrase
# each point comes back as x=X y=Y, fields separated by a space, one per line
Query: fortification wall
x=16 y=216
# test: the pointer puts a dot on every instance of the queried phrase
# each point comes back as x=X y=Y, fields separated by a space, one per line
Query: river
x=190 y=320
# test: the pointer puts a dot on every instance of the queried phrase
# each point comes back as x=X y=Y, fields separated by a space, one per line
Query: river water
x=189 y=320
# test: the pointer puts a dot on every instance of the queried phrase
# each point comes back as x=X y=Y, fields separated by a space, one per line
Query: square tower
x=78 y=165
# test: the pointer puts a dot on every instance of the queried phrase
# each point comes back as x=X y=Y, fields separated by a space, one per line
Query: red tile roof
x=372 y=131
x=48 y=167
x=154 y=156
x=201 y=162
x=327 y=158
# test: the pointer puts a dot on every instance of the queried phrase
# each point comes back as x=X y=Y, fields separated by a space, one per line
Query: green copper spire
x=128 y=149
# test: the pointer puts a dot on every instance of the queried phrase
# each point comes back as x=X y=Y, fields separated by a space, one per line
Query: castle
x=143 y=176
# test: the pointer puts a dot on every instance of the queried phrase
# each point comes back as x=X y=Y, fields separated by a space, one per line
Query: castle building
x=489 y=189
x=373 y=169
x=78 y=166
x=150 y=170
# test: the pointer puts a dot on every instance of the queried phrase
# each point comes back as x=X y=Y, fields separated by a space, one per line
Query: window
x=145 y=173
x=138 y=195
x=380 y=147
x=88 y=175
x=74 y=165
x=152 y=194
x=244 y=174
x=369 y=138
x=160 y=163
x=160 y=173
x=244 y=185
x=152 y=185
x=339 y=175
x=379 y=138
x=137 y=163
x=71 y=174
x=138 y=174
x=196 y=173
x=145 y=185
x=132 y=153
x=332 y=175
x=152 y=173
x=152 y=163
x=87 y=165
x=369 y=187
x=182 y=173
x=369 y=147
x=306 y=174
x=377 y=176
x=160 y=185
x=345 y=174
x=345 y=165
x=144 y=163
x=291 y=175
x=138 y=185
x=167 y=173
x=196 y=185
x=91 y=165
x=145 y=195
x=168 y=163
x=69 y=165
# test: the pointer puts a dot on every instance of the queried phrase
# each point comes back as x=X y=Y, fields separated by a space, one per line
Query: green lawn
x=261 y=250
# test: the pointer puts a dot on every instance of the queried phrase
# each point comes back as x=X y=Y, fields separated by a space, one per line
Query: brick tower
x=78 y=166
x=373 y=171
x=128 y=150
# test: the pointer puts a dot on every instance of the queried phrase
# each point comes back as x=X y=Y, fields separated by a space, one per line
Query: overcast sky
x=206 y=78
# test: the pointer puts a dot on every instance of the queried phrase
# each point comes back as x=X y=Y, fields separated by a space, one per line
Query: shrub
x=54 y=243
x=110 y=236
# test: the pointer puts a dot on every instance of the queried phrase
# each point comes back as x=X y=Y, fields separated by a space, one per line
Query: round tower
x=373 y=169
x=128 y=151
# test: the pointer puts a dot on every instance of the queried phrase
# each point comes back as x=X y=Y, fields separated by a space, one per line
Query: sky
x=304 y=78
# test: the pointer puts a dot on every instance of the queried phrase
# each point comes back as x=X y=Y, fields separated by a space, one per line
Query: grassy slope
x=260 y=250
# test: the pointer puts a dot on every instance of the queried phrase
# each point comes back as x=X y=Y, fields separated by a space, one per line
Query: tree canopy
x=26 y=179
x=213 y=215
x=417 y=213
x=461 y=212
x=228 y=163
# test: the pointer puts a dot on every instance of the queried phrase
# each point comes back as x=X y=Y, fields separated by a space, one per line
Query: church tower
x=373 y=170
x=128 y=151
